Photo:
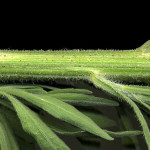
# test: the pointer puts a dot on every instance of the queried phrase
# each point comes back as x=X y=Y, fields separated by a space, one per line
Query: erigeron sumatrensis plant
x=124 y=75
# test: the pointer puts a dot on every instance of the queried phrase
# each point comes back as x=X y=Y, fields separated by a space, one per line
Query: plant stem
x=128 y=65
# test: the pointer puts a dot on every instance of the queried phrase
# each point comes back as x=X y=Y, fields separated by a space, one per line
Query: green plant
x=22 y=106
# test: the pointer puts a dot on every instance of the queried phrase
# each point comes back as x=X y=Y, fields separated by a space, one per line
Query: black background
x=71 y=33
x=95 y=39
x=74 y=26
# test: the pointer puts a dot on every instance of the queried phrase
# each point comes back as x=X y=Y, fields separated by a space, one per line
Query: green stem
x=129 y=65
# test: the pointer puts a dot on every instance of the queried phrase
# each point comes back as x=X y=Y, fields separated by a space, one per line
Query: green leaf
x=147 y=118
x=125 y=133
x=49 y=88
x=62 y=127
x=145 y=99
x=140 y=118
x=97 y=81
x=61 y=111
x=27 y=88
x=143 y=90
x=116 y=90
x=16 y=125
x=35 y=126
x=7 y=138
x=139 y=100
x=125 y=124
x=20 y=86
x=68 y=129
x=5 y=103
x=81 y=99
x=70 y=90
x=4 y=139
x=36 y=91
x=99 y=118
x=121 y=134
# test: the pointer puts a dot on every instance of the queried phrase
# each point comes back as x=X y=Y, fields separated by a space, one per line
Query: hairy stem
x=128 y=65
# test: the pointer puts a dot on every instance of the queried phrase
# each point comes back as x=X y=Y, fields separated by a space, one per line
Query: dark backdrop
x=79 y=36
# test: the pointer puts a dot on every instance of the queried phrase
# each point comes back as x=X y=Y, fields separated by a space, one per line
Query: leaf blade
x=32 y=124
x=68 y=113
x=4 y=141
x=70 y=90
x=114 y=89
x=81 y=99
x=9 y=137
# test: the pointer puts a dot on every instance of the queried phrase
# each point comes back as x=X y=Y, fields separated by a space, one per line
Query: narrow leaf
x=137 y=89
x=99 y=118
x=81 y=99
x=116 y=90
x=61 y=111
x=70 y=90
x=6 y=104
x=8 y=133
x=16 y=125
x=144 y=98
x=67 y=129
x=139 y=100
x=36 y=91
x=4 y=139
x=34 y=125
x=125 y=124
x=125 y=133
